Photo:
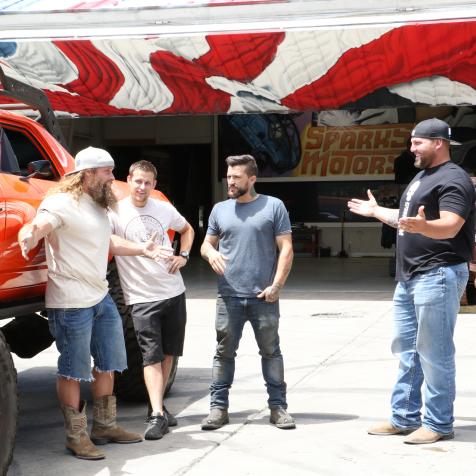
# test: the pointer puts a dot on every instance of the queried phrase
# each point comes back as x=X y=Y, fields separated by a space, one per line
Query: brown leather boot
x=105 y=429
x=77 y=438
x=425 y=436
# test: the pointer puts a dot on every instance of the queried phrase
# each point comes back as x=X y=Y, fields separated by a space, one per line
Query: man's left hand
x=271 y=293
x=416 y=224
x=175 y=263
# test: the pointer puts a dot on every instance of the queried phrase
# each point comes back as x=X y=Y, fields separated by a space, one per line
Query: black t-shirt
x=446 y=187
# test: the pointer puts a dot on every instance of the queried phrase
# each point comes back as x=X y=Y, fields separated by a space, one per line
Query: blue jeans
x=425 y=309
x=82 y=332
x=232 y=313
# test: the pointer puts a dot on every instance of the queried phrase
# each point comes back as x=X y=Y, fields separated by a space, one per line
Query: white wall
x=360 y=239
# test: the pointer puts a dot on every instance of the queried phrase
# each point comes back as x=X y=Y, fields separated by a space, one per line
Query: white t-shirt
x=143 y=279
x=76 y=251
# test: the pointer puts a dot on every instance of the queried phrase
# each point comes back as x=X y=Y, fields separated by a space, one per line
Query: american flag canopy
x=299 y=69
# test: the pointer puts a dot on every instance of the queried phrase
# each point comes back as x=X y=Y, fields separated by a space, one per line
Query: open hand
x=365 y=208
x=414 y=224
x=157 y=252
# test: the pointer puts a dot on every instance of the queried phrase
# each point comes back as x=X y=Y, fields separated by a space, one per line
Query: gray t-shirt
x=247 y=234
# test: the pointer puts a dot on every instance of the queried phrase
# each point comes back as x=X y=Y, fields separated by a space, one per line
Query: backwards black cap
x=434 y=129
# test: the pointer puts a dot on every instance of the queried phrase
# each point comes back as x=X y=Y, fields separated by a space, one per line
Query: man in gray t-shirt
x=248 y=244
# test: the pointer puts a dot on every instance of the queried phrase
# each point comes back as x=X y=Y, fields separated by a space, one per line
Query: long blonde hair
x=72 y=184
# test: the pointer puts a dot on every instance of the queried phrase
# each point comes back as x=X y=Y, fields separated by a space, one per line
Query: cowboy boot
x=105 y=429
x=77 y=438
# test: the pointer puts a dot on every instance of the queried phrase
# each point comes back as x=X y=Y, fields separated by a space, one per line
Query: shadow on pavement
x=310 y=418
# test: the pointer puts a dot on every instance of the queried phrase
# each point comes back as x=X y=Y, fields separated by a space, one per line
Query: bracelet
x=277 y=285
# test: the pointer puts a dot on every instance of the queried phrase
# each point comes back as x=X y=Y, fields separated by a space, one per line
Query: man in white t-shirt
x=154 y=289
x=82 y=316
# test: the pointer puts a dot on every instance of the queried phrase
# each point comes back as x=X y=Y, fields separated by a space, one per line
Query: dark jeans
x=232 y=313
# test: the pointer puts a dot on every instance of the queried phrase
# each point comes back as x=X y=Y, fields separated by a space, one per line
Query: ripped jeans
x=84 y=332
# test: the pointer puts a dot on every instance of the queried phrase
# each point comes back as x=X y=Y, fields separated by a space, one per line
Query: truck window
x=23 y=149
x=8 y=160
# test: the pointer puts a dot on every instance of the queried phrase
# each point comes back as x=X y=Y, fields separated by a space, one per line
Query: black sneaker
x=172 y=421
x=157 y=427
x=216 y=419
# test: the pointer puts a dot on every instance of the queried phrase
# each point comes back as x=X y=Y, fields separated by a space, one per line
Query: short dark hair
x=143 y=165
x=247 y=160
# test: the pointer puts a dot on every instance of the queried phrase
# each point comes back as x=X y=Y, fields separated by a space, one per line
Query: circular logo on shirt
x=142 y=227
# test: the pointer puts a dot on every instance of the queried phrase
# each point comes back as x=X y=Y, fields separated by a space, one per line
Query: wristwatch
x=185 y=254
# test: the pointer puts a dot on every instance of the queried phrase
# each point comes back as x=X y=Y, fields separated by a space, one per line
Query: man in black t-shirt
x=434 y=244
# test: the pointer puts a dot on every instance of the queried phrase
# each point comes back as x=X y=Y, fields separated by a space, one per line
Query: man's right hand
x=157 y=252
x=217 y=261
x=365 y=208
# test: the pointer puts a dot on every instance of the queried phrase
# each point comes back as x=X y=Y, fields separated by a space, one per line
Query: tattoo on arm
x=390 y=217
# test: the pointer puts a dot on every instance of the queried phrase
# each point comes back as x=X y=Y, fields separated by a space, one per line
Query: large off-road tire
x=8 y=405
x=28 y=335
x=129 y=385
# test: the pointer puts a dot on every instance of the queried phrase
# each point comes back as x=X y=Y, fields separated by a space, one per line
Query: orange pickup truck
x=31 y=161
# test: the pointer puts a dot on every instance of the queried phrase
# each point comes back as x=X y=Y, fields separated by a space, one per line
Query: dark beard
x=102 y=194
x=239 y=192
x=421 y=163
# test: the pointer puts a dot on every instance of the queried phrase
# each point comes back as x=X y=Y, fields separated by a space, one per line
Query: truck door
x=19 y=279
x=3 y=216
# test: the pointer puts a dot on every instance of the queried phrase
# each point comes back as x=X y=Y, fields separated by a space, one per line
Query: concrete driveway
x=339 y=371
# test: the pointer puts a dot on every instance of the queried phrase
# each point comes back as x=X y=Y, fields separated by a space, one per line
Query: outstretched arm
x=370 y=208
x=447 y=226
x=30 y=234
x=122 y=247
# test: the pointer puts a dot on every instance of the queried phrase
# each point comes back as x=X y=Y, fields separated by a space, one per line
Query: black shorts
x=160 y=328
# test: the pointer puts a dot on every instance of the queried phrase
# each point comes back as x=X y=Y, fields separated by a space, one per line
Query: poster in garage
x=315 y=168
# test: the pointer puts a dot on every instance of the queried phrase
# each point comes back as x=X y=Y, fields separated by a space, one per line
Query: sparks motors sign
x=354 y=152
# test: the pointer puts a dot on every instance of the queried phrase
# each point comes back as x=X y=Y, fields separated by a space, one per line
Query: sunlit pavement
x=339 y=371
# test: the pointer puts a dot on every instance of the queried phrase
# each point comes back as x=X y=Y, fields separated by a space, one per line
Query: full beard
x=102 y=194
x=237 y=193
